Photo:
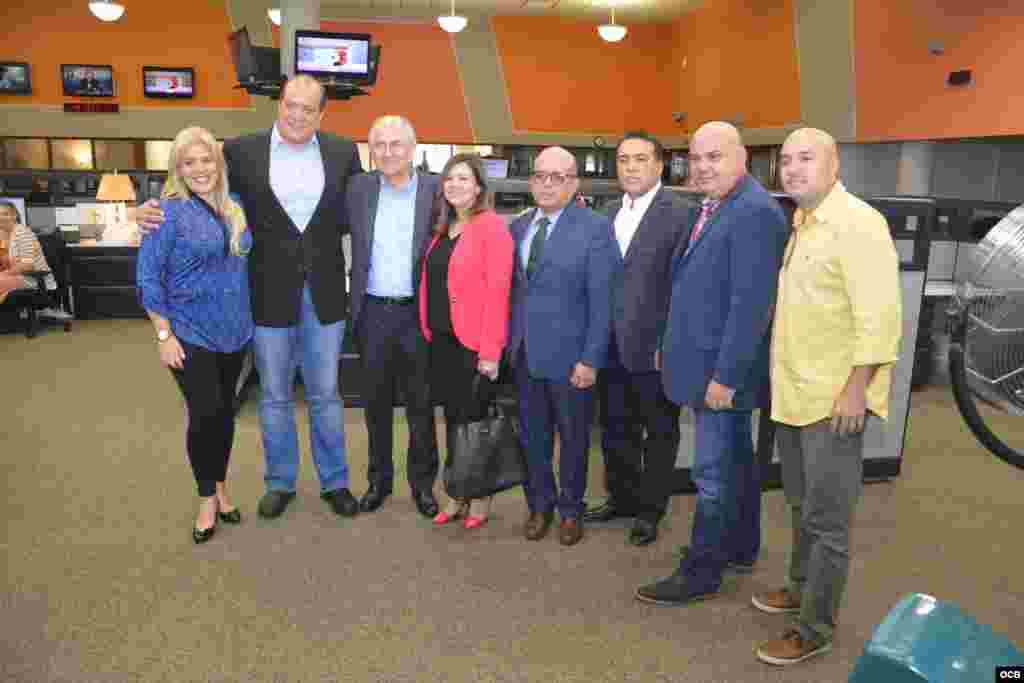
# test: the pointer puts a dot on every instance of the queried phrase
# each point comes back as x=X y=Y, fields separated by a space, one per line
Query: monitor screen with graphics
x=160 y=81
x=342 y=57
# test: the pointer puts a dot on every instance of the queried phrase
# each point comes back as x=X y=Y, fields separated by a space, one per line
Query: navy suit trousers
x=544 y=406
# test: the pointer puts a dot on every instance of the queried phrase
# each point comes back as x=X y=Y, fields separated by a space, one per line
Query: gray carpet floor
x=102 y=583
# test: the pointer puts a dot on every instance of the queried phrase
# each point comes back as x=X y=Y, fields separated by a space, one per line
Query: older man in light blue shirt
x=391 y=216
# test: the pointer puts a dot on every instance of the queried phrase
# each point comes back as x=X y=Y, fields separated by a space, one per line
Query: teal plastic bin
x=924 y=639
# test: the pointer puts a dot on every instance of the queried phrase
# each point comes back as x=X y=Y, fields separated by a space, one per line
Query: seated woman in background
x=20 y=253
x=464 y=300
x=193 y=282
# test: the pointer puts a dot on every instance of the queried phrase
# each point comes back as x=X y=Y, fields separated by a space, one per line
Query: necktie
x=537 y=245
x=707 y=208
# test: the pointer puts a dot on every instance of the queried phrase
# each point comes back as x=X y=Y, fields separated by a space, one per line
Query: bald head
x=718 y=160
x=809 y=166
x=554 y=182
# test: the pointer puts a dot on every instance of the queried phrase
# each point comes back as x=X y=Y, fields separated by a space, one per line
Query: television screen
x=337 y=56
x=160 y=81
x=496 y=168
x=87 y=80
x=15 y=78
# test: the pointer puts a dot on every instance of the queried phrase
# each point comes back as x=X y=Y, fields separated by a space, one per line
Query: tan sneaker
x=791 y=648
x=781 y=601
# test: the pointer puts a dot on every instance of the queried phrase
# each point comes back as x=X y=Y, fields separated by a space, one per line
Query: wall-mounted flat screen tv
x=15 y=78
x=162 y=81
x=341 y=57
x=87 y=80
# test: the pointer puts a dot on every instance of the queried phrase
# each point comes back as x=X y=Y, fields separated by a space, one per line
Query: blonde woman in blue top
x=193 y=284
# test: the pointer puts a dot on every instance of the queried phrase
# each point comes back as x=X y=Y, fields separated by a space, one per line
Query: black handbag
x=485 y=456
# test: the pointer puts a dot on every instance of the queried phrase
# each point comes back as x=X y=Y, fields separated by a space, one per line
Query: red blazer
x=479 y=283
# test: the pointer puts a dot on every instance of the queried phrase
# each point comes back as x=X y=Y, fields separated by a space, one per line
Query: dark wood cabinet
x=103 y=281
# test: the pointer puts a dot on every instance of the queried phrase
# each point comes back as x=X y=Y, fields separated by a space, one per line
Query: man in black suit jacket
x=640 y=426
x=292 y=182
x=391 y=218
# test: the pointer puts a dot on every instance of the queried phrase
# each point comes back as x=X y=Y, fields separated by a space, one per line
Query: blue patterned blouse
x=187 y=274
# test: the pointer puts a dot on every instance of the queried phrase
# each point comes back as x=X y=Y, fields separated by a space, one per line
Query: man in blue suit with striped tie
x=558 y=338
x=714 y=358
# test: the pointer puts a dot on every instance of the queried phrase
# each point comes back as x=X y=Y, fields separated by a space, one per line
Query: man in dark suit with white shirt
x=391 y=218
x=640 y=426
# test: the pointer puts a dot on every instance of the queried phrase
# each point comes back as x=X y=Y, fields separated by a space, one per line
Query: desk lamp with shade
x=114 y=191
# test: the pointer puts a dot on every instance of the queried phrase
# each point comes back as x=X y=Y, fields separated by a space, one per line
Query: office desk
x=102 y=277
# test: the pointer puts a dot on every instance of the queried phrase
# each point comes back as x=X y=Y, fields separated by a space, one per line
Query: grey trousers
x=822 y=476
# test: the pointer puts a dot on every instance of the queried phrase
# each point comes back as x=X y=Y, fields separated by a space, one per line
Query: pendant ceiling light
x=106 y=10
x=275 y=15
x=452 y=23
x=612 y=32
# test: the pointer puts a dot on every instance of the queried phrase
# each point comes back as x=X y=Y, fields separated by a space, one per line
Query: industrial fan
x=986 y=355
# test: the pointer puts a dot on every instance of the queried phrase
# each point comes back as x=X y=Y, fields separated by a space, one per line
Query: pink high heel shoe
x=474 y=522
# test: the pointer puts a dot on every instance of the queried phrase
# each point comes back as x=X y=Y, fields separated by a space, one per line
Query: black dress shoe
x=425 y=502
x=643 y=532
x=202 y=535
x=273 y=503
x=605 y=512
x=374 y=498
x=672 y=590
x=231 y=516
x=342 y=502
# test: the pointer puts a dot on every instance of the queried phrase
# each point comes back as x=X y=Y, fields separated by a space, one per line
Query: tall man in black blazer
x=391 y=218
x=640 y=426
x=291 y=180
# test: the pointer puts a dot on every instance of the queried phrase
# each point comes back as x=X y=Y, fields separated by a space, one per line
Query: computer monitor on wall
x=335 y=57
x=253 y=64
x=495 y=168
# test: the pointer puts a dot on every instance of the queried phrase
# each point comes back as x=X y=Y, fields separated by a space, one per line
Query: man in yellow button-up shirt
x=836 y=336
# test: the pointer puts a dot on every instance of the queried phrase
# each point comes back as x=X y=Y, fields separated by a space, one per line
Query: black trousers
x=393 y=350
x=207 y=380
x=639 y=438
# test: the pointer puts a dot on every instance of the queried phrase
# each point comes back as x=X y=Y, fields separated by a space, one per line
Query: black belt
x=393 y=300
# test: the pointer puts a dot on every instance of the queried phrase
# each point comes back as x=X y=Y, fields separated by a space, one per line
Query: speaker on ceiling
x=962 y=77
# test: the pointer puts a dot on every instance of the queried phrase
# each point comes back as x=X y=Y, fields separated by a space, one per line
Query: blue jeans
x=727 y=521
x=316 y=349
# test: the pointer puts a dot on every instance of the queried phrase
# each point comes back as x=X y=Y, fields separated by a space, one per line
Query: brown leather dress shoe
x=571 y=531
x=537 y=525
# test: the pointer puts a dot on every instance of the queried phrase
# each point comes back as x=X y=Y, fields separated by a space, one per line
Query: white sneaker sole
x=764 y=607
x=768 y=659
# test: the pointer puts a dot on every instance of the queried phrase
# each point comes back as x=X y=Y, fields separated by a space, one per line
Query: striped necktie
x=707 y=208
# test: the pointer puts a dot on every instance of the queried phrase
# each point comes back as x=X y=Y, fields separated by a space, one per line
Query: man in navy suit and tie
x=714 y=358
x=640 y=426
x=558 y=338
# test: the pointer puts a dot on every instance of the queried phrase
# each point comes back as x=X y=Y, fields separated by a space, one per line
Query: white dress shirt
x=627 y=220
x=296 y=177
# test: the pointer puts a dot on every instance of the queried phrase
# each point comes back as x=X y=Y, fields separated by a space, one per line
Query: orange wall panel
x=729 y=58
x=741 y=60
x=901 y=87
x=561 y=77
x=48 y=34
x=418 y=79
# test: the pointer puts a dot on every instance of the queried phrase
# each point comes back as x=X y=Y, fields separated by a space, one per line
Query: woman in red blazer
x=464 y=300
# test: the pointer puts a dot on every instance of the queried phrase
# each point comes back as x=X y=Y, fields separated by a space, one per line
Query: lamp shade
x=613 y=33
x=116 y=188
x=452 y=23
x=106 y=10
x=274 y=13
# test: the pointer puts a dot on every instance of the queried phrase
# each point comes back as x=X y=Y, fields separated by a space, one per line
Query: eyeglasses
x=556 y=179
x=395 y=147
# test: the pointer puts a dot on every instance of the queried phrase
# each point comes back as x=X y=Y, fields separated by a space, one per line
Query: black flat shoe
x=643 y=532
x=202 y=535
x=231 y=516
x=273 y=503
x=606 y=512
x=425 y=502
